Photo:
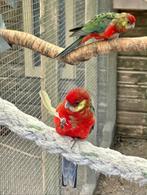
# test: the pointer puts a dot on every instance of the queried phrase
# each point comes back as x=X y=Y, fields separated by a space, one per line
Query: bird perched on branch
x=103 y=26
x=73 y=117
x=77 y=111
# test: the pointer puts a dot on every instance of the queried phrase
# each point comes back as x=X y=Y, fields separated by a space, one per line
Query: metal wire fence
x=24 y=168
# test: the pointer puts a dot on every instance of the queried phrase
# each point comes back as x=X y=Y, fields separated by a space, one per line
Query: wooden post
x=49 y=82
x=89 y=176
x=69 y=72
x=91 y=66
x=30 y=69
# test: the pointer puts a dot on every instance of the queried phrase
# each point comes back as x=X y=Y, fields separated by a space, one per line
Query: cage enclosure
x=24 y=167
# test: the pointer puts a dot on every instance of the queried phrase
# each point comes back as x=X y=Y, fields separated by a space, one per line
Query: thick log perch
x=103 y=160
x=81 y=54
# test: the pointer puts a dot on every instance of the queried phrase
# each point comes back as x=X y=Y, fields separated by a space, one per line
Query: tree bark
x=80 y=54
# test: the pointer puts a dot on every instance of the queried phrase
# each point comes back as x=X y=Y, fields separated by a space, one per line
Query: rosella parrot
x=73 y=117
x=77 y=111
x=103 y=26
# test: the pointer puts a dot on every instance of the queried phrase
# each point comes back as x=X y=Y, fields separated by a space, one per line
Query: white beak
x=133 y=25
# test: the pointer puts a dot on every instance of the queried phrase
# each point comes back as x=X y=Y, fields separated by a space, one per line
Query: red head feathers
x=131 y=19
x=76 y=95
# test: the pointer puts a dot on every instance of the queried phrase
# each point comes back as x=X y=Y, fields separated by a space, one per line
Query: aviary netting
x=106 y=161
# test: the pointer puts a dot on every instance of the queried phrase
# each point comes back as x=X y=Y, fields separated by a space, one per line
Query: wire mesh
x=24 y=168
x=106 y=83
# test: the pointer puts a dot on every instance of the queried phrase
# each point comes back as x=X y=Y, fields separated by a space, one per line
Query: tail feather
x=77 y=32
x=76 y=29
x=47 y=103
x=70 y=48
x=3 y=43
x=69 y=173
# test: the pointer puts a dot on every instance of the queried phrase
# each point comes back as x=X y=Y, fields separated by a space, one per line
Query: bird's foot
x=63 y=122
x=74 y=142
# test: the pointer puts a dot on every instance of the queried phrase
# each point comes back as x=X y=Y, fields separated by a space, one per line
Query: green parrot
x=103 y=26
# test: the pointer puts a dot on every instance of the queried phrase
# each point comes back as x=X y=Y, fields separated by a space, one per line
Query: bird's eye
x=76 y=103
x=128 y=22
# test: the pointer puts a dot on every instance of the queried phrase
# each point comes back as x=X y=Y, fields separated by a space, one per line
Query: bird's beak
x=67 y=105
x=133 y=25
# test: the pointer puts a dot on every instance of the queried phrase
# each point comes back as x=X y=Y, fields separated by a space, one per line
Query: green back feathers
x=98 y=24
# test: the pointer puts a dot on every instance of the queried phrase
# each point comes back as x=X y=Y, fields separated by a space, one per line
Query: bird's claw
x=63 y=122
x=74 y=142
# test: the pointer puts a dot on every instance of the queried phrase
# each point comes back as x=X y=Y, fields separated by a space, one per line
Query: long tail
x=47 y=103
x=3 y=44
x=69 y=173
x=70 y=48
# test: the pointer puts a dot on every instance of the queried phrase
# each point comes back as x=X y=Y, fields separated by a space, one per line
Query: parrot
x=103 y=26
x=73 y=117
x=78 y=113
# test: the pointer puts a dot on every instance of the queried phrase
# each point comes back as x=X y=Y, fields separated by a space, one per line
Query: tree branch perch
x=83 y=53
x=103 y=160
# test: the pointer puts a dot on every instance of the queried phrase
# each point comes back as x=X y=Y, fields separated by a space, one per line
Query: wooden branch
x=81 y=54
x=30 y=41
x=103 y=160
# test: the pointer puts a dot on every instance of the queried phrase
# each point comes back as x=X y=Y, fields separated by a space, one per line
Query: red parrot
x=76 y=109
x=78 y=119
x=103 y=26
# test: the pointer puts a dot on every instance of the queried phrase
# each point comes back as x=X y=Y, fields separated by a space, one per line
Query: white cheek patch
x=130 y=26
